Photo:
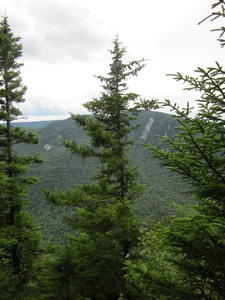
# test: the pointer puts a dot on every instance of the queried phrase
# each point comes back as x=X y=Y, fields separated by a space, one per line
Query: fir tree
x=105 y=215
x=189 y=252
x=18 y=234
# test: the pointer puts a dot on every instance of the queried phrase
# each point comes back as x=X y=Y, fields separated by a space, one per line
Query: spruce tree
x=105 y=216
x=189 y=252
x=18 y=234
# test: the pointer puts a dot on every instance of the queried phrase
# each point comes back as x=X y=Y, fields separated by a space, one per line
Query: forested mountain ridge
x=34 y=124
x=62 y=170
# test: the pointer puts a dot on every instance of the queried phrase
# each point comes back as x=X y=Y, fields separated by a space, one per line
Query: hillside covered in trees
x=109 y=190
x=62 y=170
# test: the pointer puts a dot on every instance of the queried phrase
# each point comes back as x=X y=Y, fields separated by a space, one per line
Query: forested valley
x=122 y=203
x=62 y=170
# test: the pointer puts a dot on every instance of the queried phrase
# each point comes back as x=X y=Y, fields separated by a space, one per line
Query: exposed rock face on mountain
x=147 y=129
x=62 y=170
x=48 y=147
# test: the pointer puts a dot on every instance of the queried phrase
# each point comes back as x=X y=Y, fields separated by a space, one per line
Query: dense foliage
x=185 y=259
x=110 y=254
x=105 y=217
x=18 y=234
x=62 y=170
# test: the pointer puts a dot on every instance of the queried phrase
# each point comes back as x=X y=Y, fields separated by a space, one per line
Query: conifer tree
x=189 y=252
x=105 y=215
x=18 y=234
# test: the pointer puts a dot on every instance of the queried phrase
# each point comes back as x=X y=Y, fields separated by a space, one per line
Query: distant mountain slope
x=34 y=124
x=62 y=170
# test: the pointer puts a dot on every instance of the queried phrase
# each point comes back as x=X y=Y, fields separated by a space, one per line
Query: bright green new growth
x=18 y=234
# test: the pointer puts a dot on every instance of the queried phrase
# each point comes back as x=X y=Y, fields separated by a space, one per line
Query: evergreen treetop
x=188 y=251
x=18 y=233
x=105 y=217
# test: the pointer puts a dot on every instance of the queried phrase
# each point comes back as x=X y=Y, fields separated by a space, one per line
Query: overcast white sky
x=65 y=43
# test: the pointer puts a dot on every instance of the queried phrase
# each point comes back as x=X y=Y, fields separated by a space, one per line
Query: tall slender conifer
x=105 y=215
x=18 y=234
